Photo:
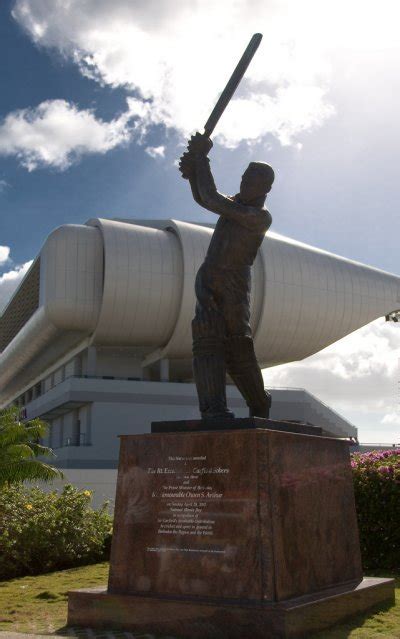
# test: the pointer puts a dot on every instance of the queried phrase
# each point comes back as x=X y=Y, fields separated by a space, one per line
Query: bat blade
x=232 y=84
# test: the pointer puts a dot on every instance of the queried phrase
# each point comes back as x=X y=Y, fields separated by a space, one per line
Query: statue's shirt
x=233 y=245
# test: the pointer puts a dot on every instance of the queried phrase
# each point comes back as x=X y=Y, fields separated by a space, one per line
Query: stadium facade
x=97 y=337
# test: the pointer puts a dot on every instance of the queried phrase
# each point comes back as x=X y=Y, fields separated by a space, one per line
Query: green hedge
x=41 y=532
x=377 y=492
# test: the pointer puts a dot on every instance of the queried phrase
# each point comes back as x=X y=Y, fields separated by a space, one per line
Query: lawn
x=39 y=605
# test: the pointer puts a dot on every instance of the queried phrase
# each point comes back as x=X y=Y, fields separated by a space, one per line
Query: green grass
x=39 y=605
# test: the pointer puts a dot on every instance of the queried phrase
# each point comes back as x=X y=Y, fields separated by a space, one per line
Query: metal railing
x=382 y=444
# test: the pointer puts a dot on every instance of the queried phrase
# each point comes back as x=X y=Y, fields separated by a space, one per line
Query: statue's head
x=256 y=181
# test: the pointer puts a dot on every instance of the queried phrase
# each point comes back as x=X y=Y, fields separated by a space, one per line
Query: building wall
x=118 y=363
x=101 y=482
x=21 y=307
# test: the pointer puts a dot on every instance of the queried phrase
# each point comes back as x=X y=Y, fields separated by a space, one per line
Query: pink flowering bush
x=377 y=492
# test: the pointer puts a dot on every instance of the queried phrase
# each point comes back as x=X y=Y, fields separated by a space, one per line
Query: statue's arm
x=195 y=191
x=187 y=167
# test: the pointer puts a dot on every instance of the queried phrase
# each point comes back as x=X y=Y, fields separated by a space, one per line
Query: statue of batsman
x=222 y=339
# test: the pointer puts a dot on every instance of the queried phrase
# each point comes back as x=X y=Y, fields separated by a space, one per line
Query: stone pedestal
x=223 y=533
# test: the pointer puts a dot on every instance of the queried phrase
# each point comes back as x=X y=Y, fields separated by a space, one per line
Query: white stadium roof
x=130 y=283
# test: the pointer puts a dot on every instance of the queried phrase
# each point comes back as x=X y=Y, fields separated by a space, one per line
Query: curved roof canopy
x=130 y=283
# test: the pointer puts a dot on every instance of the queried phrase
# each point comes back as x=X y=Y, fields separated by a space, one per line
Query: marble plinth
x=230 y=527
x=201 y=619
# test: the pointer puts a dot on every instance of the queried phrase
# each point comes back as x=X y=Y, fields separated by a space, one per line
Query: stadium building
x=96 y=340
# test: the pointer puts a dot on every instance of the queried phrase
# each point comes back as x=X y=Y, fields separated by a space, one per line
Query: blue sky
x=97 y=98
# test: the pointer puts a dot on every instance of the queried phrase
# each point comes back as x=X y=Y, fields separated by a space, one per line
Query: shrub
x=377 y=492
x=41 y=532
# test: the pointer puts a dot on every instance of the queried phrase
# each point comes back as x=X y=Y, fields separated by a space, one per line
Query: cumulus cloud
x=56 y=133
x=155 y=151
x=175 y=58
x=4 y=254
x=9 y=282
x=358 y=376
x=3 y=185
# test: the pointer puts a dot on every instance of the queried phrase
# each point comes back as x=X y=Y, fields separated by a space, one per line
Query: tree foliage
x=20 y=449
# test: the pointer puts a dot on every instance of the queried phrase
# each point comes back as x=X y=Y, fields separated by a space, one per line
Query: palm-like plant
x=19 y=449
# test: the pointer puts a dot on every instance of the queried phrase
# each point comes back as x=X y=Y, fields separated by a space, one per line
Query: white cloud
x=155 y=151
x=178 y=56
x=4 y=254
x=56 y=133
x=358 y=376
x=3 y=185
x=392 y=418
x=9 y=282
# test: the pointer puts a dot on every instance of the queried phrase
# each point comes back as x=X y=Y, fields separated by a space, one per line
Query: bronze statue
x=222 y=339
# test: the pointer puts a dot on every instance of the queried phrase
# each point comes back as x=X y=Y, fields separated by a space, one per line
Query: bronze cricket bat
x=233 y=84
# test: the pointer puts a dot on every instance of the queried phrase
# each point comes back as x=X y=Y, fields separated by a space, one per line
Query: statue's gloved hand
x=199 y=144
x=187 y=165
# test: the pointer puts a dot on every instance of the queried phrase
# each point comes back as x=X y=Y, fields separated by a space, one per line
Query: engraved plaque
x=186 y=516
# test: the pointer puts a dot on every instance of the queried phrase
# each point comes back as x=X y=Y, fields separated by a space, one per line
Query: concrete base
x=207 y=619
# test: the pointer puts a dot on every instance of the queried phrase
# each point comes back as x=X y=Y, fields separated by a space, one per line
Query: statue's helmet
x=264 y=172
